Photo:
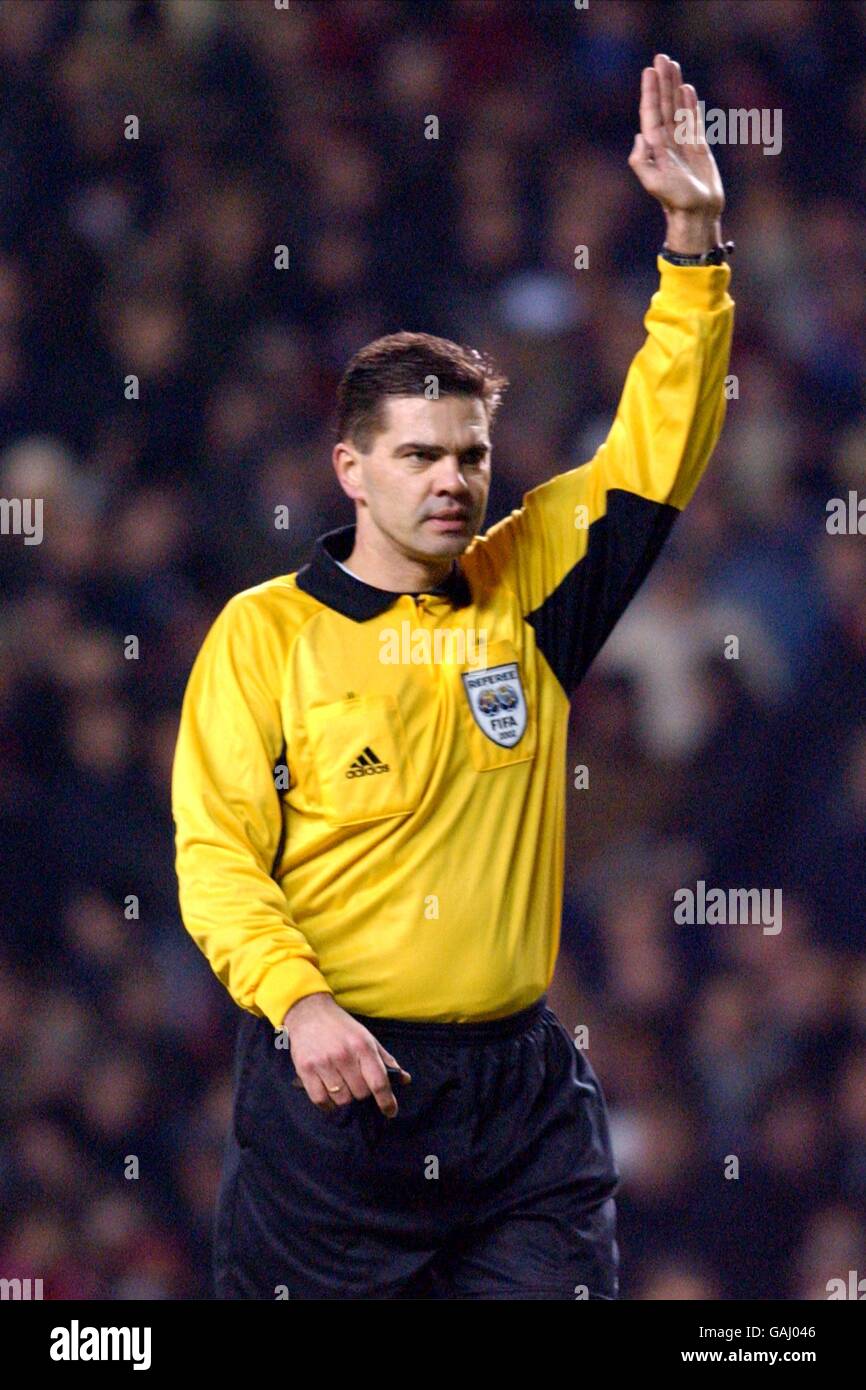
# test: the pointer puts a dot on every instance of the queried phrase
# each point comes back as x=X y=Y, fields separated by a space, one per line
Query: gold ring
x=334 y=1089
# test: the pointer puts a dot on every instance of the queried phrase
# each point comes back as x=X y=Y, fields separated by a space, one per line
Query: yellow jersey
x=368 y=787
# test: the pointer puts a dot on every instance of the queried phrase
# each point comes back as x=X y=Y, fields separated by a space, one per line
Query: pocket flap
x=362 y=759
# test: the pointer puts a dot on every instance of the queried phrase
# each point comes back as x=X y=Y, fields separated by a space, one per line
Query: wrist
x=692 y=233
x=306 y=1005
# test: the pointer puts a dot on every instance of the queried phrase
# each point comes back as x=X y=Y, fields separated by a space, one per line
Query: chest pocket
x=498 y=702
x=362 y=759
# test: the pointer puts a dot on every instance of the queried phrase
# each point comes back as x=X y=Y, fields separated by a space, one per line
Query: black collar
x=323 y=578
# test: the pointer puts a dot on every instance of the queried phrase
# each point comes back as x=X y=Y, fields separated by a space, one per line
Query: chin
x=451 y=545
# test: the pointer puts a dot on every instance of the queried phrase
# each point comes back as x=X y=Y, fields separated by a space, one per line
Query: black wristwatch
x=717 y=256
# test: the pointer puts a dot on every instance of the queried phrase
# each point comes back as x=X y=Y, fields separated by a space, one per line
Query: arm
x=580 y=546
x=228 y=817
x=229 y=828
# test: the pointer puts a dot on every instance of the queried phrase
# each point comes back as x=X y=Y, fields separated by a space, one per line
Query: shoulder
x=265 y=618
x=276 y=602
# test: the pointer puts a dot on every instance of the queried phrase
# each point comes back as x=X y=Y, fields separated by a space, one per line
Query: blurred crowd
x=733 y=1060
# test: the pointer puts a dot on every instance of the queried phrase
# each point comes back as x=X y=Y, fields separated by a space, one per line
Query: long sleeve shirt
x=368 y=787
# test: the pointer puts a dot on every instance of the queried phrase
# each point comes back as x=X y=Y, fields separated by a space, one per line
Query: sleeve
x=229 y=818
x=580 y=546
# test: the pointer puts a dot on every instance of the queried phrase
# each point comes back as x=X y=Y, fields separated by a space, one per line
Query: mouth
x=449 y=521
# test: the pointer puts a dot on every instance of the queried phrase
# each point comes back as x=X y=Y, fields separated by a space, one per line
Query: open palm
x=682 y=174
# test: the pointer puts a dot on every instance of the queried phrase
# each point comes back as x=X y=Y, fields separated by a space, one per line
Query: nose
x=449 y=477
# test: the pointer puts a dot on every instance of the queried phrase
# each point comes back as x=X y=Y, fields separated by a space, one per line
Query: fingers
x=670 y=78
x=662 y=95
x=392 y=1064
x=343 y=1081
x=379 y=1084
x=690 y=99
x=354 y=1075
x=691 y=134
x=331 y=1084
x=650 y=106
x=380 y=1073
x=316 y=1090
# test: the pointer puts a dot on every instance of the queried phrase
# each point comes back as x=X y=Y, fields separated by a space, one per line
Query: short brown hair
x=401 y=365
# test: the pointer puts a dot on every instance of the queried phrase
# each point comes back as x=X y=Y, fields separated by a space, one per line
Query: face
x=423 y=487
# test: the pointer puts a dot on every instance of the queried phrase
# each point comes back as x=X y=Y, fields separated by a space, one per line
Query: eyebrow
x=439 y=449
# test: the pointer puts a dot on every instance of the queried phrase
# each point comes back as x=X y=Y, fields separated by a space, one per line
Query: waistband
x=485 y=1030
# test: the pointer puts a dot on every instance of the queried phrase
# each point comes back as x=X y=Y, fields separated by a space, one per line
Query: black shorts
x=495 y=1180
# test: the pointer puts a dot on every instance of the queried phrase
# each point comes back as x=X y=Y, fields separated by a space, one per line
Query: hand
x=336 y=1058
x=681 y=173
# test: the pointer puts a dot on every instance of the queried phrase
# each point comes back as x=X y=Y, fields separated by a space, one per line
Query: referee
x=368 y=800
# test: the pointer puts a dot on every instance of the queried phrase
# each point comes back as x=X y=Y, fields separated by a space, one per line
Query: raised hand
x=681 y=173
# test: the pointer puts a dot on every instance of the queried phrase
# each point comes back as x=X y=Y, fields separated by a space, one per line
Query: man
x=389 y=908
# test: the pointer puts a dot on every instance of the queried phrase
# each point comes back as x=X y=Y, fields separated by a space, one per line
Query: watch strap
x=716 y=256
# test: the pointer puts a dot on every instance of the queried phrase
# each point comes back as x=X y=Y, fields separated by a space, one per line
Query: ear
x=349 y=470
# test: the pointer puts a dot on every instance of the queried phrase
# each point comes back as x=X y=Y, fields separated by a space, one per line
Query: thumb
x=640 y=151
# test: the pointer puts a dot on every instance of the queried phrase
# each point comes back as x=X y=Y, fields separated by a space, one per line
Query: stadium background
x=155 y=257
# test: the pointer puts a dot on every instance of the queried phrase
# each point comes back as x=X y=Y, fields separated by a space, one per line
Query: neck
x=376 y=562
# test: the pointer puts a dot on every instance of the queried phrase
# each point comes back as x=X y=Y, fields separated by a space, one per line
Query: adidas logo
x=367 y=765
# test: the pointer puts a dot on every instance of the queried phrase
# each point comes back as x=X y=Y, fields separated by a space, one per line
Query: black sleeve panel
x=575 y=620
